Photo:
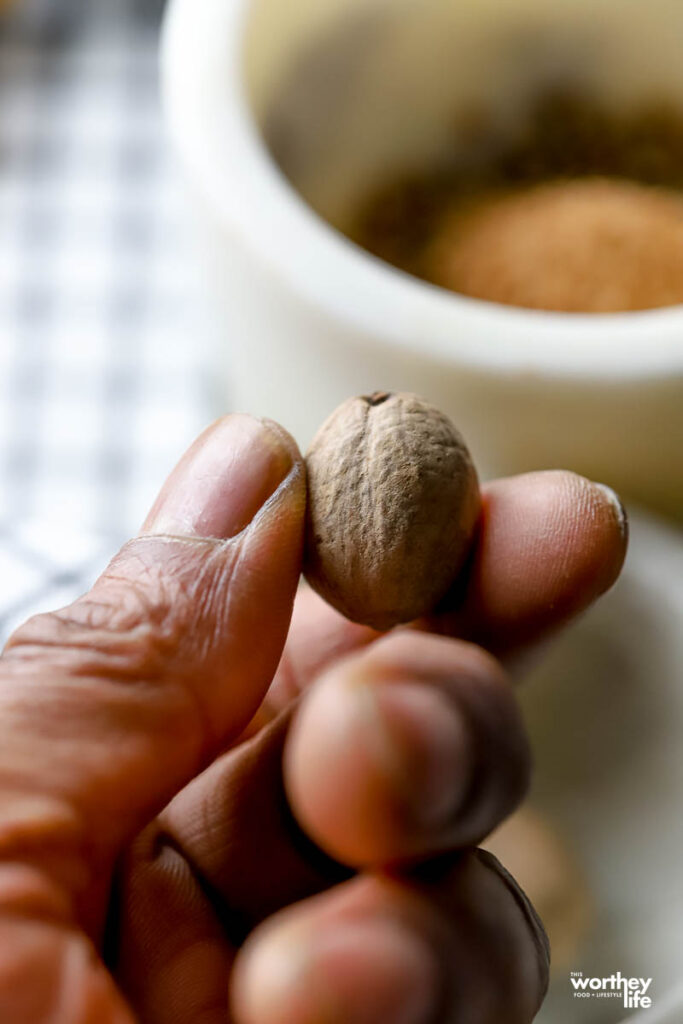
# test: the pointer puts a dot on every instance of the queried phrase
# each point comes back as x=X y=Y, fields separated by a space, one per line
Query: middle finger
x=412 y=747
x=241 y=835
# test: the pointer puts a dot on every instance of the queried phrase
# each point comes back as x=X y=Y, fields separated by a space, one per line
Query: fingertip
x=595 y=527
x=284 y=438
x=225 y=478
x=320 y=967
x=617 y=526
x=412 y=747
x=371 y=770
x=550 y=543
x=457 y=940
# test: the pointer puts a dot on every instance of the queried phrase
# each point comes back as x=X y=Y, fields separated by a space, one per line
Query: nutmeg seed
x=393 y=502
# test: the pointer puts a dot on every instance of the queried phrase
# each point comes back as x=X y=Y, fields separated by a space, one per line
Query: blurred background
x=108 y=370
x=107 y=358
x=99 y=389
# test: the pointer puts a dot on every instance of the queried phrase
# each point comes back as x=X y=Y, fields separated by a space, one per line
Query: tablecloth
x=103 y=367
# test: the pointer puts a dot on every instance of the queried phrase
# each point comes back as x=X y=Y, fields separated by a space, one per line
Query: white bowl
x=605 y=715
x=344 y=89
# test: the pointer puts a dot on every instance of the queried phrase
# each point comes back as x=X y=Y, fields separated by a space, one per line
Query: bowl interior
x=349 y=91
x=605 y=713
x=252 y=88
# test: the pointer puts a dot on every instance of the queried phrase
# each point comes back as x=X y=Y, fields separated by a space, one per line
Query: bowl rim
x=213 y=130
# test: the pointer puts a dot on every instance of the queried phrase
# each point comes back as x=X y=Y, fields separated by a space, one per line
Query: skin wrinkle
x=205 y=595
x=167 y=841
x=196 y=886
x=212 y=1009
x=216 y=822
x=149 y=642
x=138 y=641
x=188 y=708
x=274 y=509
x=161 y=601
x=85 y=858
x=81 y=854
x=145 y=689
x=218 y=669
x=134 y=626
x=88 y=661
x=225 y=615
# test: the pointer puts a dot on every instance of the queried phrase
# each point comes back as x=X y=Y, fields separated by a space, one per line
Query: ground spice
x=589 y=245
x=582 y=212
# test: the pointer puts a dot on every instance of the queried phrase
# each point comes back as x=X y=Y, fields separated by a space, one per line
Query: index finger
x=549 y=544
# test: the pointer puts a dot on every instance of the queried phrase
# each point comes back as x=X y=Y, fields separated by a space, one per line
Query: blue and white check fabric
x=103 y=376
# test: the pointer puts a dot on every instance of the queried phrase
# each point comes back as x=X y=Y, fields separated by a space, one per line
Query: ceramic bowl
x=284 y=113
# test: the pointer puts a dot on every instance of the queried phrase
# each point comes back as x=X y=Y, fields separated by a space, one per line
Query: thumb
x=110 y=706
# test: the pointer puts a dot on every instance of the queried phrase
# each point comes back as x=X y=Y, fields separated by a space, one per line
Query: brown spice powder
x=583 y=212
x=588 y=245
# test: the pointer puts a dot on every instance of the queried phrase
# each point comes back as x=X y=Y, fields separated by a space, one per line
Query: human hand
x=156 y=770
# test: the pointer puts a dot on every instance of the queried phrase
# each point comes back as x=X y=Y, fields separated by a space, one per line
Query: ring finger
x=461 y=944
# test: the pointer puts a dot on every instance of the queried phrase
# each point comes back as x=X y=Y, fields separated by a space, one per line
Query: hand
x=213 y=827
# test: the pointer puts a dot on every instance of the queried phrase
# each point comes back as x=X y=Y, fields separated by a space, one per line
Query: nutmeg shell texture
x=393 y=503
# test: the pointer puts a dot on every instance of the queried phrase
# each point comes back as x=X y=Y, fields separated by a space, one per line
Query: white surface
x=103 y=374
x=307 y=318
x=104 y=377
x=668 y=1011
x=605 y=712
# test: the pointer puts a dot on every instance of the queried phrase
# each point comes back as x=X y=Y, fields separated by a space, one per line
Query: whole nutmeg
x=392 y=508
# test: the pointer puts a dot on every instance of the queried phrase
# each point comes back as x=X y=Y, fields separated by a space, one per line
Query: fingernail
x=220 y=484
x=422 y=742
x=360 y=971
x=528 y=912
x=618 y=508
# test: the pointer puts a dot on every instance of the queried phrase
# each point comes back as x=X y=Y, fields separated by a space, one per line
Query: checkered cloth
x=102 y=366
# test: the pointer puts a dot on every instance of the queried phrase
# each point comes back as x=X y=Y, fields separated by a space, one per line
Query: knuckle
x=150 y=609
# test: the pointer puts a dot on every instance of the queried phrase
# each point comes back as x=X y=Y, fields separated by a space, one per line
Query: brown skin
x=111 y=710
